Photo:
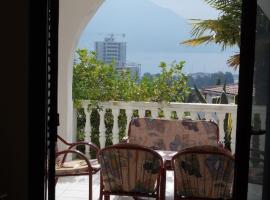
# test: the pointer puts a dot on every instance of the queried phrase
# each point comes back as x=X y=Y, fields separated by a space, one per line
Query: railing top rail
x=168 y=106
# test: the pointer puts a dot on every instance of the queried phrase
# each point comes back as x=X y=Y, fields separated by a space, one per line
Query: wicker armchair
x=81 y=166
x=130 y=170
x=203 y=172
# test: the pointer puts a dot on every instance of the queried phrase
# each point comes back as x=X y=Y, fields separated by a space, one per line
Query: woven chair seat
x=76 y=167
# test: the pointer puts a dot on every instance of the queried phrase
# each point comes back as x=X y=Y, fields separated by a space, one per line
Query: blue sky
x=154 y=30
x=188 y=9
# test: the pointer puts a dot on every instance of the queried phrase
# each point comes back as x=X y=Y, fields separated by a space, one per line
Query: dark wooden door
x=253 y=128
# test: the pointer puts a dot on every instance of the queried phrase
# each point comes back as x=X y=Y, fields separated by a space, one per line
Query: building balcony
x=72 y=188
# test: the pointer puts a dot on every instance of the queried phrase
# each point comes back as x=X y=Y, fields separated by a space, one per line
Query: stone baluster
x=87 y=128
x=141 y=113
x=167 y=114
x=75 y=124
x=129 y=113
x=154 y=113
x=193 y=115
x=115 y=130
x=233 y=136
x=102 y=129
x=221 y=117
x=180 y=114
x=208 y=115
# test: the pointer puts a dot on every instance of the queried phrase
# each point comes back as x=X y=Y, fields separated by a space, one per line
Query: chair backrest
x=130 y=169
x=172 y=135
x=203 y=172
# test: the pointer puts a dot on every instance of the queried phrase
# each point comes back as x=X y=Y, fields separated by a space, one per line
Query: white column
x=154 y=113
x=180 y=114
x=102 y=129
x=233 y=136
x=87 y=128
x=167 y=114
x=115 y=130
x=141 y=113
x=208 y=115
x=129 y=113
x=193 y=115
x=74 y=137
x=221 y=117
x=70 y=29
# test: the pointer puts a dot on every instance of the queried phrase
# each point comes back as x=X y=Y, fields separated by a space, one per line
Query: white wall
x=74 y=15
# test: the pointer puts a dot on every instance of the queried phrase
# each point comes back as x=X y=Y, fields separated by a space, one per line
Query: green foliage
x=171 y=85
x=98 y=82
x=225 y=30
x=199 y=94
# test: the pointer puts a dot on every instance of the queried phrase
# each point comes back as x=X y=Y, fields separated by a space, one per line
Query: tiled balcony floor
x=76 y=188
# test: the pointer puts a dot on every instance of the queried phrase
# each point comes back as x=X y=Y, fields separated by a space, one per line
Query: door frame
x=43 y=122
x=37 y=101
x=247 y=49
x=244 y=110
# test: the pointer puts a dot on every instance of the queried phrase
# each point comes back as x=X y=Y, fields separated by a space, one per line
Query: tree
x=204 y=80
x=95 y=81
x=225 y=30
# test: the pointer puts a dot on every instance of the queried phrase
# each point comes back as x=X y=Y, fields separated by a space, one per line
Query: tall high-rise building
x=110 y=50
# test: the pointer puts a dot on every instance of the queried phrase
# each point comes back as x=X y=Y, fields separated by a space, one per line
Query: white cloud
x=189 y=9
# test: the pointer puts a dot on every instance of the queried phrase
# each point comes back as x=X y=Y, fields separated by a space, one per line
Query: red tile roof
x=231 y=89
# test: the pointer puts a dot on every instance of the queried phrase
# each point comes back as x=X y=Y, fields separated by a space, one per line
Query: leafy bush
x=95 y=81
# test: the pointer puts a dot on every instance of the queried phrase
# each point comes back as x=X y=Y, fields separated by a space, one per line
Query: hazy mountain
x=153 y=34
x=147 y=26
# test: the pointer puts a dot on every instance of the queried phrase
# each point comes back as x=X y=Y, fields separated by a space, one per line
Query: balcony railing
x=215 y=112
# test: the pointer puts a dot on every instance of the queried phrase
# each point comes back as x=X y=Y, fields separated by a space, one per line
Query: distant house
x=216 y=90
x=133 y=68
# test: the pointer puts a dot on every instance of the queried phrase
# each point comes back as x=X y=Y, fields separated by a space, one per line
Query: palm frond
x=222 y=31
x=225 y=6
x=198 y=41
x=234 y=61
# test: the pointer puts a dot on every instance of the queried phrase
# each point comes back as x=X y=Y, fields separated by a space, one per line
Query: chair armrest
x=91 y=145
x=74 y=144
x=64 y=141
x=70 y=151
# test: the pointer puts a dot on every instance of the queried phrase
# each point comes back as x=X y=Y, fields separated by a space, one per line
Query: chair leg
x=162 y=195
x=56 y=179
x=107 y=197
x=90 y=186
x=100 y=188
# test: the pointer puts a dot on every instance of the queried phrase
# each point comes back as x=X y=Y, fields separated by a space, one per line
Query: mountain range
x=153 y=34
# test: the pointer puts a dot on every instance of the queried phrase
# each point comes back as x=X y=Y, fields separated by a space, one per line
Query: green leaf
x=199 y=95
